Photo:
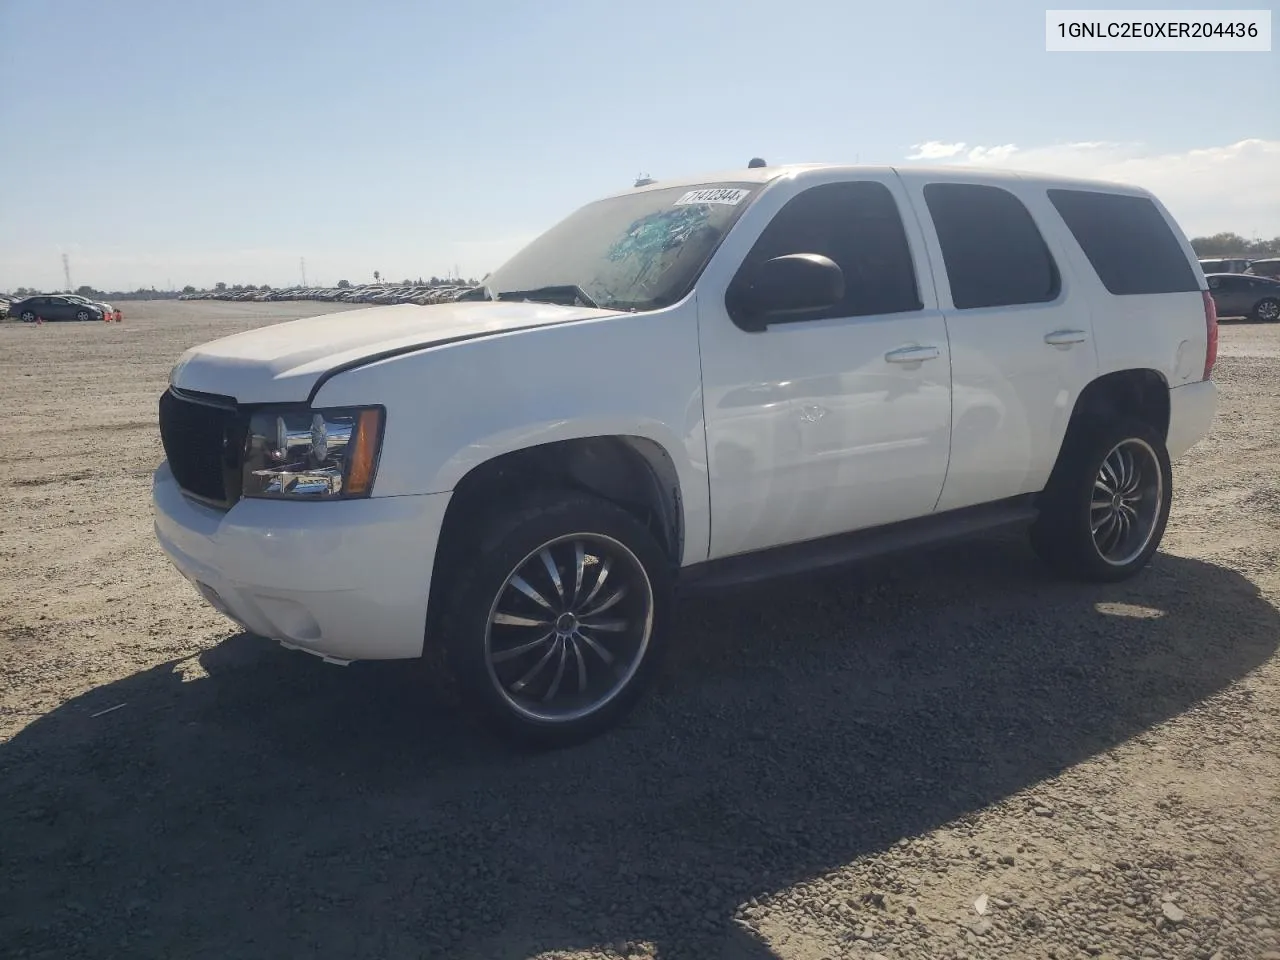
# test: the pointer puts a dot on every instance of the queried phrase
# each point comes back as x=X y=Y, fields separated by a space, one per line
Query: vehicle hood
x=285 y=361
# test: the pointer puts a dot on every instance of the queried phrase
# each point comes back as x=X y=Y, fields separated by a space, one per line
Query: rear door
x=1231 y=295
x=1020 y=332
x=1147 y=294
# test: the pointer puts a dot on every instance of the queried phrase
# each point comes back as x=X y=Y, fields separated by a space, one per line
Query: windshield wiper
x=551 y=294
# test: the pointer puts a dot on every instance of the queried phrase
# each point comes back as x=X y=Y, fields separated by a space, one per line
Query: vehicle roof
x=931 y=173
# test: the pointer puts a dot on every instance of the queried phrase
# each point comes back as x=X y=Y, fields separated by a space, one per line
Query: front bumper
x=347 y=580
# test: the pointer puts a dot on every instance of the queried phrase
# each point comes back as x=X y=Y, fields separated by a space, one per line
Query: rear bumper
x=346 y=580
x=1192 y=407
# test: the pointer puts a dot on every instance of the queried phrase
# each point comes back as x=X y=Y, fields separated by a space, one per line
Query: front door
x=838 y=420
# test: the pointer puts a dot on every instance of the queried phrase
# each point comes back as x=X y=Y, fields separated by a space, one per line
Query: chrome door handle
x=1065 y=338
x=912 y=354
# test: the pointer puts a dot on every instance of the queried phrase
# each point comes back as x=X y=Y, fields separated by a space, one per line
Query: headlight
x=305 y=454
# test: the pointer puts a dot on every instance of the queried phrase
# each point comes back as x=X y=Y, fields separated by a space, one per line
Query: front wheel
x=1104 y=511
x=1267 y=310
x=82 y=315
x=555 y=624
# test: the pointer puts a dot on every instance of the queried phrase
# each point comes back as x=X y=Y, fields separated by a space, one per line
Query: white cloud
x=935 y=150
x=1208 y=190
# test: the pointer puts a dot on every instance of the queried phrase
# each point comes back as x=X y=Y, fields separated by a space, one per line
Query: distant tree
x=376 y=276
x=1234 y=245
x=435 y=281
x=220 y=287
x=188 y=289
x=344 y=284
x=238 y=288
x=265 y=288
x=86 y=291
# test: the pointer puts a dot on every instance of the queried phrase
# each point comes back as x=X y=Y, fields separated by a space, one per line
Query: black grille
x=203 y=437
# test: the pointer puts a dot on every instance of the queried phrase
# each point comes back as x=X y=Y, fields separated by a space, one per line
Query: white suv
x=709 y=382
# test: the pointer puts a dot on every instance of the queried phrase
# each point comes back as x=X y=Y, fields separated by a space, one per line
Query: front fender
x=452 y=408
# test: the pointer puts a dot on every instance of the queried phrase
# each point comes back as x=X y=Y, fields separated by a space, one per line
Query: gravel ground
x=937 y=756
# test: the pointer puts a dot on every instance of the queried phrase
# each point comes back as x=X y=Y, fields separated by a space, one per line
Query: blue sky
x=196 y=142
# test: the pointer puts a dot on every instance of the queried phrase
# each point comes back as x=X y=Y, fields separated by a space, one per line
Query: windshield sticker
x=726 y=195
x=658 y=232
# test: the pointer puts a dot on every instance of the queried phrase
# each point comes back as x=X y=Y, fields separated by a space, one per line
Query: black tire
x=28 y=317
x=1064 y=536
x=479 y=585
x=1267 y=310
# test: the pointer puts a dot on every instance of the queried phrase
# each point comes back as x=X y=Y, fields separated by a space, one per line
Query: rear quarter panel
x=1163 y=332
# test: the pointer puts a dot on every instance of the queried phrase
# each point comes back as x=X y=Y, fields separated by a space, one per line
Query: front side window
x=857 y=225
x=991 y=247
x=638 y=251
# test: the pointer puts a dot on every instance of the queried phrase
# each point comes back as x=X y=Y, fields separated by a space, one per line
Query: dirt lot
x=847 y=767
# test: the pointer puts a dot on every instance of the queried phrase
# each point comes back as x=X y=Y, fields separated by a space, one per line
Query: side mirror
x=785 y=287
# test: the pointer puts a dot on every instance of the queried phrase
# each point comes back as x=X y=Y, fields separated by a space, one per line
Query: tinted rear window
x=1127 y=241
x=991 y=247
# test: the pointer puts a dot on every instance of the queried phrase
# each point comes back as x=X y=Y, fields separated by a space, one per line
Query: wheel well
x=635 y=473
x=1135 y=393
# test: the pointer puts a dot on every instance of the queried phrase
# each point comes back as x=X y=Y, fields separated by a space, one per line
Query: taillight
x=1211 y=334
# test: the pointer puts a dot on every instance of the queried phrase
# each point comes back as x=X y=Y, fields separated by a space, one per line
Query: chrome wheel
x=82 y=316
x=1268 y=310
x=1127 y=494
x=569 y=627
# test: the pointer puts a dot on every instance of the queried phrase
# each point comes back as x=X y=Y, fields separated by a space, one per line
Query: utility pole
x=304 y=271
x=66 y=271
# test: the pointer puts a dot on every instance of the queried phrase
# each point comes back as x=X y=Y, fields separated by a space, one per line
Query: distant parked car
x=55 y=308
x=1242 y=295
x=101 y=305
x=1266 y=268
x=1224 y=265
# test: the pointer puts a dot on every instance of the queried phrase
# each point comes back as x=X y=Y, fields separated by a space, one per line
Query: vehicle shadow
x=257 y=803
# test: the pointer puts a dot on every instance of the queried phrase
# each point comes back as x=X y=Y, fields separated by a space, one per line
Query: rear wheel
x=1267 y=310
x=28 y=316
x=1105 y=509
x=555 y=624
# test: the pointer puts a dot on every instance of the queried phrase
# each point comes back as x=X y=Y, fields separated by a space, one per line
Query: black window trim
x=819 y=316
x=1057 y=287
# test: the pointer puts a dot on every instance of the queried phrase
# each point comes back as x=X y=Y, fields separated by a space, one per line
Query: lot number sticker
x=726 y=195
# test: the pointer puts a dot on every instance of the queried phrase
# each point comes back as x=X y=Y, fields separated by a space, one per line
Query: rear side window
x=1127 y=241
x=992 y=249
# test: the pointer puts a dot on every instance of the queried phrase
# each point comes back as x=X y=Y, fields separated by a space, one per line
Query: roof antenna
x=755 y=163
